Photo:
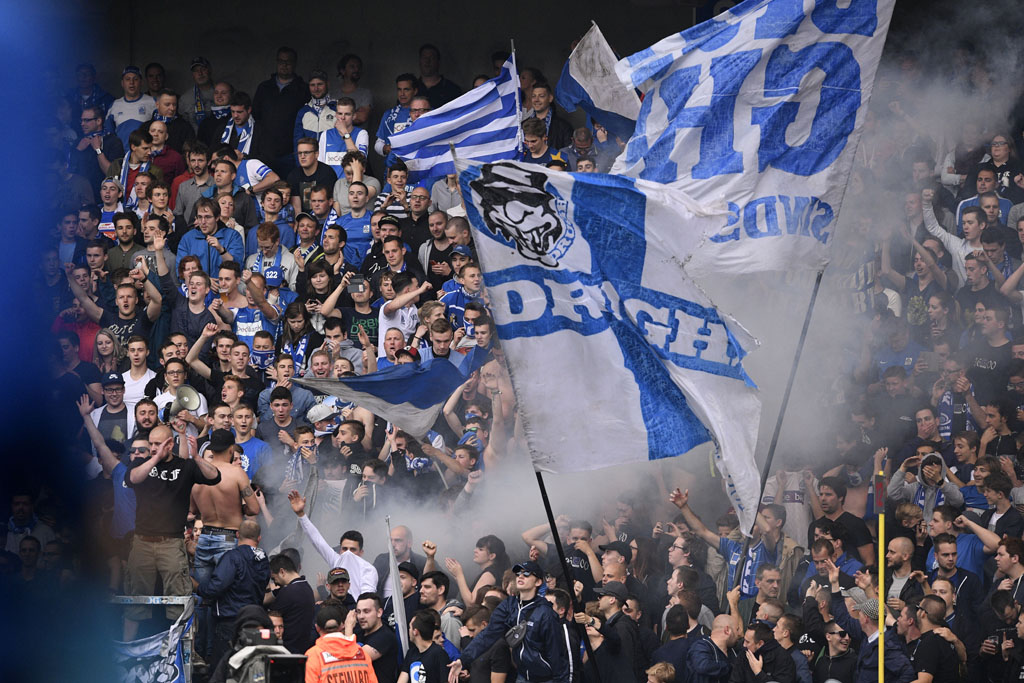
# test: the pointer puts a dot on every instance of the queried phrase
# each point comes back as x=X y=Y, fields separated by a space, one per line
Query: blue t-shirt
x=359 y=237
x=249 y=321
x=287 y=237
x=886 y=358
x=970 y=555
x=255 y=453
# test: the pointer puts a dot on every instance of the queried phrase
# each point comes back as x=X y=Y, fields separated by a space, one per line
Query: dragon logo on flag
x=519 y=208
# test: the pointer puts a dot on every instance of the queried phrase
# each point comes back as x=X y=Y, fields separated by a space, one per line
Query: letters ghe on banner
x=759 y=110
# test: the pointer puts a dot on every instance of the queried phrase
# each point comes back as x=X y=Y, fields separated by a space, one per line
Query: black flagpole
x=778 y=423
x=576 y=604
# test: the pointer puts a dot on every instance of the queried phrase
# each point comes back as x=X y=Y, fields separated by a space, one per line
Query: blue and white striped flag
x=597 y=316
x=759 y=110
x=410 y=395
x=483 y=124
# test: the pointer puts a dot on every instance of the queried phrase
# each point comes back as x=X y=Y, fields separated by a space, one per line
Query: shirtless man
x=222 y=506
x=228 y=277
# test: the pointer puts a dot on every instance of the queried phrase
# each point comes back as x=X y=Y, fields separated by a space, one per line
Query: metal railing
x=186 y=601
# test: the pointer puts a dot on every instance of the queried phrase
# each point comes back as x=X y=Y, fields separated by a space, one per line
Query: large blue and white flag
x=588 y=81
x=410 y=395
x=598 y=319
x=760 y=111
x=483 y=124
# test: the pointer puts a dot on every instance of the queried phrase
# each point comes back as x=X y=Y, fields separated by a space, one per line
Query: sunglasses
x=524 y=572
x=138 y=449
x=841 y=634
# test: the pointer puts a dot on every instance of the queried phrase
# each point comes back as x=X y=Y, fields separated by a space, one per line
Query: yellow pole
x=881 y=588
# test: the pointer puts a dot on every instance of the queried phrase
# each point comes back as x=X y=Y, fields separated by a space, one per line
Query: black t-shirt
x=124 y=329
x=295 y=603
x=88 y=372
x=934 y=655
x=252 y=385
x=351 y=319
x=497 y=660
x=301 y=183
x=429 y=665
x=968 y=299
x=987 y=369
x=857 y=533
x=383 y=640
x=436 y=255
x=114 y=425
x=163 y=496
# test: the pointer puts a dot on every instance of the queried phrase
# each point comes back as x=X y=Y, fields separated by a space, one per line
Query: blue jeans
x=209 y=549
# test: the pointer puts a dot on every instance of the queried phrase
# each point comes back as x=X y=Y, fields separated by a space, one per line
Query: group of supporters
x=211 y=250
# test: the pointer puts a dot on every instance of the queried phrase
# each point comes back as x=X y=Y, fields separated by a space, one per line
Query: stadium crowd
x=210 y=247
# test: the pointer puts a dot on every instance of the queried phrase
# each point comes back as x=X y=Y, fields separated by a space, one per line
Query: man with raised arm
x=361 y=572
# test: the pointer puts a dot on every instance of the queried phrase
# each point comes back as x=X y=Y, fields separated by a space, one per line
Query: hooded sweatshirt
x=926 y=496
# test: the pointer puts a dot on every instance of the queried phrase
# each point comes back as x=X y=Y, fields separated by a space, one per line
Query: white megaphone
x=187 y=398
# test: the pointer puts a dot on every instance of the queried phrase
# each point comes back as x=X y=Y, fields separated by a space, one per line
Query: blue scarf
x=97 y=134
x=331 y=219
x=297 y=351
x=244 y=135
x=92 y=99
x=132 y=200
x=259 y=263
x=317 y=104
x=13 y=528
x=261 y=360
x=220 y=112
x=919 y=496
x=200 y=105
x=165 y=119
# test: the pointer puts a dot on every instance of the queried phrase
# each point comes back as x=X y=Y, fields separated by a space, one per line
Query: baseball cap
x=410 y=569
x=131 y=69
x=199 y=61
x=305 y=214
x=621 y=548
x=613 y=588
x=460 y=249
x=319 y=412
x=529 y=566
x=221 y=440
x=337 y=574
x=273 y=277
x=391 y=220
x=809 y=641
x=112 y=378
x=113 y=181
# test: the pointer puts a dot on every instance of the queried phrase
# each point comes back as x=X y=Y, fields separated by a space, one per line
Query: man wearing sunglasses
x=839 y=662
x=530 y=626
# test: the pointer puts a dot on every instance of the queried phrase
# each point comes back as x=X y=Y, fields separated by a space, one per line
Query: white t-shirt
x=134 y=390
x=164 y=399
x=406 y=319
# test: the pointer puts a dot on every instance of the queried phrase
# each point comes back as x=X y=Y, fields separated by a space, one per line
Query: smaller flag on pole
x=482 y=124
x=589 y=81
x=398 y=600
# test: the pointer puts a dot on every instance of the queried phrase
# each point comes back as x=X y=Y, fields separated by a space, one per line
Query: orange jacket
x=337 y=658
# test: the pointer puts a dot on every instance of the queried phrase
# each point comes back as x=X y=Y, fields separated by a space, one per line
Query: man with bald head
x=901 y=582
x=163 y=486
x=709 y=658
x=401 y=543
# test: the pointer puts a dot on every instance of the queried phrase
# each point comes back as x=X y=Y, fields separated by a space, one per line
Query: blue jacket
x=705 y=663
x=193 y=243
x=541 y=655
x=239 y=579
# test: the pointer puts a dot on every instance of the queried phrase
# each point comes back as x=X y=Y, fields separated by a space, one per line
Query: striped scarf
x=132 y=200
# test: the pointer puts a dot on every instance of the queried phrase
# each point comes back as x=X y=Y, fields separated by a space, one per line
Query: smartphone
x=932 y=359
x=357 y=285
